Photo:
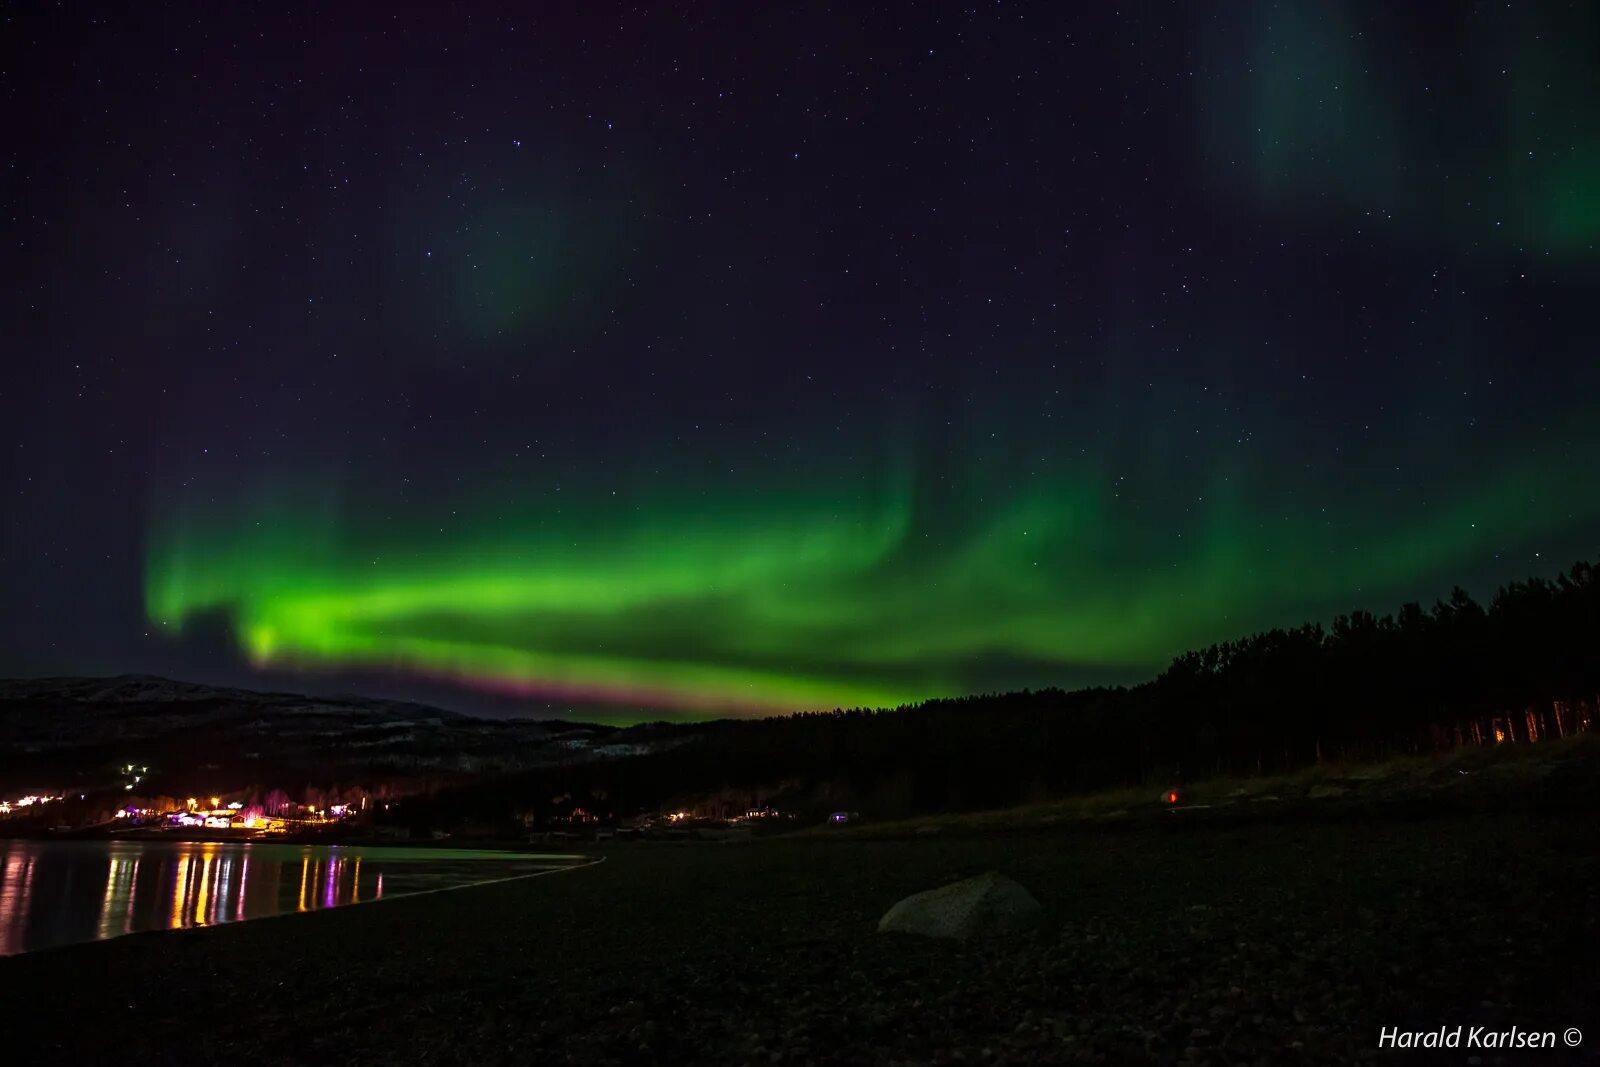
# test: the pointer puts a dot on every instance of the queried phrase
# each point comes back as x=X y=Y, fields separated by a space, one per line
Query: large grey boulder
x=974 y=907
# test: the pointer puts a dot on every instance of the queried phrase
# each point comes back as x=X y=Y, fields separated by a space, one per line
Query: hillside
x=81 y=732
x=1523 y=668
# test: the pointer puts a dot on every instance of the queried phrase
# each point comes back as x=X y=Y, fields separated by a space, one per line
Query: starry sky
x=676 y=361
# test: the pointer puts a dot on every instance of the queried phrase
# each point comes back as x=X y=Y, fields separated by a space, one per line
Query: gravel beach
x=1164 y=940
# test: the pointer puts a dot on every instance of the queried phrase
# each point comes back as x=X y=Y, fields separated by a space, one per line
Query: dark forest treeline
x=1526 y=667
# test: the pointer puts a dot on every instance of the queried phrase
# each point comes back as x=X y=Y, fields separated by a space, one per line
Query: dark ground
x=1167 y=940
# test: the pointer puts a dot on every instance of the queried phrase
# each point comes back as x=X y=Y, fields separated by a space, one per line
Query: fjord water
x=59 y=892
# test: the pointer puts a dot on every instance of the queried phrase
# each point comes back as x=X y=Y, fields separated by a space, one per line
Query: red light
x=1172 y=796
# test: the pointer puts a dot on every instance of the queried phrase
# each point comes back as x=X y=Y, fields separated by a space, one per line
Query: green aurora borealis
x=667 y=365
x=784 y=596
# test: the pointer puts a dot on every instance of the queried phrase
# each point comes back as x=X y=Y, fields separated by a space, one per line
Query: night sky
x=703 y=359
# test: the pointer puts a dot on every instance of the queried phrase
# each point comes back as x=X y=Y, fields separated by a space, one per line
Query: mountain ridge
x=78 y=730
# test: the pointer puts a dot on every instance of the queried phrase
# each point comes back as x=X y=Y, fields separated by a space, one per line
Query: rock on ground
x=974 y=907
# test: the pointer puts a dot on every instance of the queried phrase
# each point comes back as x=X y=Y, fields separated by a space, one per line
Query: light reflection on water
x=58 y=892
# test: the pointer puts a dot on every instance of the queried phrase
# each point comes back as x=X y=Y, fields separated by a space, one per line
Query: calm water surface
x=58 y=892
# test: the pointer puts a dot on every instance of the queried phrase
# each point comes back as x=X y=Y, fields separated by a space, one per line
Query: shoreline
x=586 y=862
